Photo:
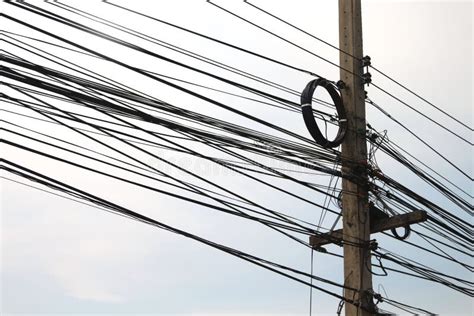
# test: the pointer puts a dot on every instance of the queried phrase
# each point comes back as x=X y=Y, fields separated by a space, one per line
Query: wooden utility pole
x=359 y=218
x=355 y=207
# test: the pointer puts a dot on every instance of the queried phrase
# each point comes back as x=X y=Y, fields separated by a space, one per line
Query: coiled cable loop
x=307 y=110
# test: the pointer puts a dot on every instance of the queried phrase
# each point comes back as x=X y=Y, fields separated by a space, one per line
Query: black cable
x=423 y=115
x=151 y=76
x=442 y=243
x=447 y=257
x=69 y=93
x=213 y=39
x=116 y=131
x=420 y=139
x=430 y=274
x=165 y=76
x=181 y=113
x=50 y=182
x=430 y=180
x=438 y=223
x=213 y=198
x=175 y=195
x=62 y=196
x=307 y=110
x=399 y=150
x=179 y=49
x=336 y=65
x=301 y=30
x=280 y=37
x=420 y=97
x=43 y=70
x=371 y=66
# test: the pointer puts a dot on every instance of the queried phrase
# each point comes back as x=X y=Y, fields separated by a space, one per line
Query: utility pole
x=355 y=207
x=360 y=218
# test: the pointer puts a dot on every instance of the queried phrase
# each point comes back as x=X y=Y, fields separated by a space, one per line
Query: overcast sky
x=62 y=257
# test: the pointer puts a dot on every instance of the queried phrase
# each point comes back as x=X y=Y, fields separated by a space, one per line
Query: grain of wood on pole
x=355 y=210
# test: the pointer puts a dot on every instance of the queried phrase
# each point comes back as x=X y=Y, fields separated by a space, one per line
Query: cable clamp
x=366 y=61
x=378 y=297
x=340 y=85
x=373 y=137
x=373 y=245
x=367 y=78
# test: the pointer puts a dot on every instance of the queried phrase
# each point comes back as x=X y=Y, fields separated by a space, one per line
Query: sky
x=60 y=257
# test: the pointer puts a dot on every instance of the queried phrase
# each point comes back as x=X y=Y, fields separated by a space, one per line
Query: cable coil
x=307 y=110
